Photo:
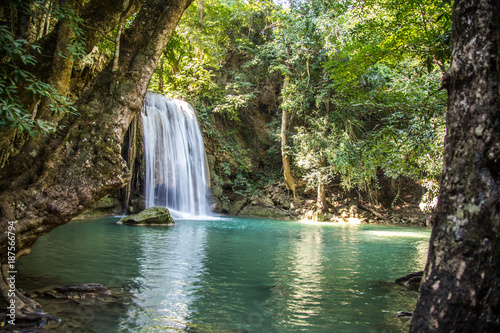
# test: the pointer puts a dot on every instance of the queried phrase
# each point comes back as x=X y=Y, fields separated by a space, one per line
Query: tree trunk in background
x=44 y=21
x=460 y=291
x=202 y=10
x=321 y=204
x=160 y=79
x=131 y=154
x=287 y=173
x=82 y=160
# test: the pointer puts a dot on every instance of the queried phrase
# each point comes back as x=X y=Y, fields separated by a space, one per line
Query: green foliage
x=239 y=94
x=385 y=110
x=200 y=50
x=76 y=46
x=388 y=31
x=16 y=55
x=402 y=110
x=362 y=85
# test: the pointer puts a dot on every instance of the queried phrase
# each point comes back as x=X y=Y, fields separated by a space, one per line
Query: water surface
x=236 y=274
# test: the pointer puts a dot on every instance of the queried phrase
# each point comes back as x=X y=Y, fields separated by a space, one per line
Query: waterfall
x=176 y=171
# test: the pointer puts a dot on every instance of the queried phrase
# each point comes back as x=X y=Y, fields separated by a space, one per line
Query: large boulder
x=150 y=216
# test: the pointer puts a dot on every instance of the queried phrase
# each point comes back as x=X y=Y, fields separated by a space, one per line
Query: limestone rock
x=81 y=291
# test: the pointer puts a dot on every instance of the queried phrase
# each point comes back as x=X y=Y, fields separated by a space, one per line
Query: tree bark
x=61 y=67
x=45 y=20
x=131 y=154
x=202 y=10
x=460 y=291
x=321 y=203
x=82 y=160
x=100 y=17
x=121 y=26
x=160 y=79
x=287 y=173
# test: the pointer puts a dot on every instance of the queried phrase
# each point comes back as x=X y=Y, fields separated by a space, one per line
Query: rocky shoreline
x=275 y=202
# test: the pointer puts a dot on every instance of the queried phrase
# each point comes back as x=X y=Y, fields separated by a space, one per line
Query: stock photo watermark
x=11 y=262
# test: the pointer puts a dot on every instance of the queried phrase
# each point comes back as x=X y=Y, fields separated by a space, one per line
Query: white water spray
x=176 y=172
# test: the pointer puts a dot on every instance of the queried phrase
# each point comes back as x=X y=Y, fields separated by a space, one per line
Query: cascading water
x=176 y=172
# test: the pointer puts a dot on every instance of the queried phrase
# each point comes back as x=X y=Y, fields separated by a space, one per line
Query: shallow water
x=236 y=274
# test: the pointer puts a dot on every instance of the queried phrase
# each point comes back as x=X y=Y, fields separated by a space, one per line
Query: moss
x=106 y=202
x=150 y=216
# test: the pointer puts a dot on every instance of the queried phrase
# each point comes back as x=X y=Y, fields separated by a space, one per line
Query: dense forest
x=337 y=99
x=320 y=105
x=331 y=97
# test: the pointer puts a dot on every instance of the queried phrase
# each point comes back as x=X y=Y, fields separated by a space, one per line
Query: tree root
x=373 y=211
x=37 y=318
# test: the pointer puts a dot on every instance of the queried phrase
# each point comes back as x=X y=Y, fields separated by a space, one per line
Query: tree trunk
x=121 y=26
x=62 y=65
x=202 y=10
x=55 y=67
x=321 y=204
x=82 y=161
x=460 y=291
x=131 y=154
x=160 y=78
x=287 y=173
x=44 y=20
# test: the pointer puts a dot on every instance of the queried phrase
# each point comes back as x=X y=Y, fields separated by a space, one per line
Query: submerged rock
x=79 y=291
x=150 y=216
x=88 y=290
x=74 y=307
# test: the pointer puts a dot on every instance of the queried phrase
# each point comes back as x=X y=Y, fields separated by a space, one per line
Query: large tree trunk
x=54 y=65
x=82 y=161
x=460 y=291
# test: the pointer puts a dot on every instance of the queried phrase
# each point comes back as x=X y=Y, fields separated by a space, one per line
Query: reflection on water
x=236 y=275
x=306 y=287
x=170 y=269
x=397 y=233
x=420 y=255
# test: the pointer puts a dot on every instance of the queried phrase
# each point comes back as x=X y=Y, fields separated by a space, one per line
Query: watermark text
x=11 y=262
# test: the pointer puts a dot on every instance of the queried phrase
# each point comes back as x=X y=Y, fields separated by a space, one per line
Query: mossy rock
x=237 y=206
x=107 y=202
x=150 y=216
x=266 y=212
